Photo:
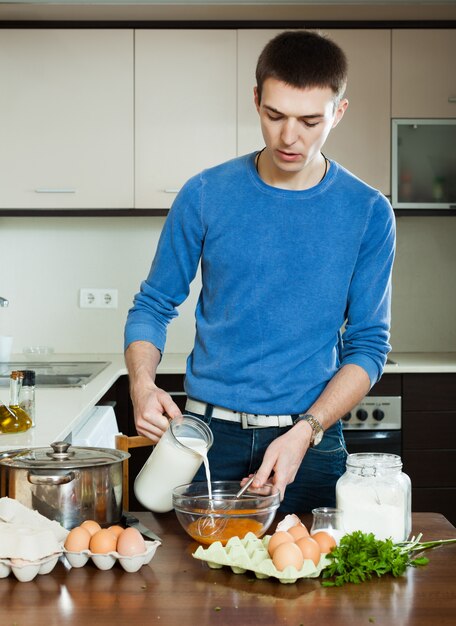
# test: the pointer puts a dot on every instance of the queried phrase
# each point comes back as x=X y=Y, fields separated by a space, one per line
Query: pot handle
x=42 y=479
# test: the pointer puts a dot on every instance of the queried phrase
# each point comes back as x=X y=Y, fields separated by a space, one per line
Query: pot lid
x=62 y=454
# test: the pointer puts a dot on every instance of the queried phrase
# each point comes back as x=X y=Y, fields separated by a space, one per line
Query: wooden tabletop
x=177 y=589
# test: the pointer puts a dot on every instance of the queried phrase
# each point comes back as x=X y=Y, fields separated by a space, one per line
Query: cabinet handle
x=50 y=190
x=171 y=190
x=452 y=99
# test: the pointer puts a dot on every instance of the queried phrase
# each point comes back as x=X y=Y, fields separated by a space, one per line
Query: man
x=292 y=246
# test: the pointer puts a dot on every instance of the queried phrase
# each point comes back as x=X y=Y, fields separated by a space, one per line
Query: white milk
x=334 y=532
x=167 y=467
x=208 y=473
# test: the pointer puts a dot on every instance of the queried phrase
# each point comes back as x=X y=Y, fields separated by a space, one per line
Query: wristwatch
x=317 y=428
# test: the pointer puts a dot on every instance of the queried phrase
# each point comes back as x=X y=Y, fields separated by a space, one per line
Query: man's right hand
x=152 y=406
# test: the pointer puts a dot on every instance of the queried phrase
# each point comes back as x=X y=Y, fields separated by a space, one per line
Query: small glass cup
x=328 y=520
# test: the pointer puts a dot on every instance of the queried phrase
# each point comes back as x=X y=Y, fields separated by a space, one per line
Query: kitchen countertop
x=59 y=410
x=175 y=588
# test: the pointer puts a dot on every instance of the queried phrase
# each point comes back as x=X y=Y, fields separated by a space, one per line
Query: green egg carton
x=251 y=554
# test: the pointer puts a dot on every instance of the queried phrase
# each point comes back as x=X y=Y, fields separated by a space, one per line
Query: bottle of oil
x=27 y=395
x=14 y=420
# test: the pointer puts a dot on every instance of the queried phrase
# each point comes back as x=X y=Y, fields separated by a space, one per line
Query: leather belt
x=248 y=420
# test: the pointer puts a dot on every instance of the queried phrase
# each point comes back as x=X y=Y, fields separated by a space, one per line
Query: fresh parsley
x=360 y=556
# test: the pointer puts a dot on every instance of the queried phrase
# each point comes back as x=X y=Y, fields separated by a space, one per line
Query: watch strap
x=315 y=424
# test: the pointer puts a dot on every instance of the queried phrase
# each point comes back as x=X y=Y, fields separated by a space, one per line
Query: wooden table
x=177 y=589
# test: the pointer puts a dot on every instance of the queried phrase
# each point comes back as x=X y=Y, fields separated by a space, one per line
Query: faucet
x=3 y=302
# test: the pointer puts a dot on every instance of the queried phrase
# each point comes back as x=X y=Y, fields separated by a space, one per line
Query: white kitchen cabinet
x=361 y=142
x=424 y=73
x=185 y=108
x=66 y=118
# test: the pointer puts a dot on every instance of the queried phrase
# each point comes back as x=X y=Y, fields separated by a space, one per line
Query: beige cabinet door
x=361 y=142
x=66 y=119
x=185 y=108
x=424 y=73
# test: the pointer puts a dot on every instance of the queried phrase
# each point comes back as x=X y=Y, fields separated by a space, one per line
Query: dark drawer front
x=174 y=385
x=388 y=385
x=431 y=468
x=422 y=430
x=429 y=392
x=435 y=501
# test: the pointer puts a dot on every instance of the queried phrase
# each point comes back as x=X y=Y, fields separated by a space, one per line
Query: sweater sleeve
x=368 y=317
x=173 y=269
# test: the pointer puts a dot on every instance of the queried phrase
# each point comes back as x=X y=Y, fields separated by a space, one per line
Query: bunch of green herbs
x=360 y=556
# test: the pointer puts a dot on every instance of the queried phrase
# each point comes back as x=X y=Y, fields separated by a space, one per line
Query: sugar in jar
x=375 y=496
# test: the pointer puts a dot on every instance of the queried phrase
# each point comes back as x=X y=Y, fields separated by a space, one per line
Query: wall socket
x=98 y=298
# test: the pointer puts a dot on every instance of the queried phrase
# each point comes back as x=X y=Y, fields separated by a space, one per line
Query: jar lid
x=376 y=460
x=29 y=378
x=61 y=455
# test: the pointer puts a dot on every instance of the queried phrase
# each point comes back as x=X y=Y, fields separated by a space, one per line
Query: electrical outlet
x=88 y=298
x=98 y=298
x=108 y=298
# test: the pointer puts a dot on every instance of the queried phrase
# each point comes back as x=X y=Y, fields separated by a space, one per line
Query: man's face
x=295 y=123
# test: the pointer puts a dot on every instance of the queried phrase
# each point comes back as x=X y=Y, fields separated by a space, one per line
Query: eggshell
x=91 y=526
x=279 y=537
x=102 y=542
x=288 y=522
x=309 y=549
x=78 y=539
x=287 y=554
x=325 y=541
x=116 y=530
x=298 y=531
x=130 y=542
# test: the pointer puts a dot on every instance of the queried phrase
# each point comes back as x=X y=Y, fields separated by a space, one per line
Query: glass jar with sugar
x=375 y=496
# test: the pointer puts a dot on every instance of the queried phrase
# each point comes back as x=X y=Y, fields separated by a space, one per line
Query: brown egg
x=91 y=526
x=325 y=541
x=298 y=531
x=130 y=542
x=309 y=549
x=287 y=554
x=279 y=537
x=77 y=540
x=116 y=530
x=103 y=541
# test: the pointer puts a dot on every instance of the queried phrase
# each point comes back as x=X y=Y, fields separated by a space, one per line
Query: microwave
x=423 y=164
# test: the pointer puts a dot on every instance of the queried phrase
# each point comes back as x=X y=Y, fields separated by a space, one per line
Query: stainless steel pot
x=64 y=483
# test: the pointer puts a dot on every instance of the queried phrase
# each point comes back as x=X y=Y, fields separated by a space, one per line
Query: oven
x=374 y=425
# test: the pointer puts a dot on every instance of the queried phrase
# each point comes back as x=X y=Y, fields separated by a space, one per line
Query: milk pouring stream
x=174 y=461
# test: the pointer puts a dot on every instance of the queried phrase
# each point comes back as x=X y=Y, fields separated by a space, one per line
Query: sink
x=55 y=373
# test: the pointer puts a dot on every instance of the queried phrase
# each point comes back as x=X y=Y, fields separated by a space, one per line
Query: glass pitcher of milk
x=174 y=461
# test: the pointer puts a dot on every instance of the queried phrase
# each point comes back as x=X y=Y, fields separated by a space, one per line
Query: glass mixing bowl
x=224 y=516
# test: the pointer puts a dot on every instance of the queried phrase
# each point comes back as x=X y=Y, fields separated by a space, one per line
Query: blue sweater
x=281 y=272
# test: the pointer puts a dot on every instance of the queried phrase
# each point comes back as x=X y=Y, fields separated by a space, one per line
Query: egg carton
x=14 y=512
x=25 y=570
x=21 y=541
x=251 y=554
x=107 y=561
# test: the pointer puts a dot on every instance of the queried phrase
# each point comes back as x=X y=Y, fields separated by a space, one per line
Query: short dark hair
x=303 y=59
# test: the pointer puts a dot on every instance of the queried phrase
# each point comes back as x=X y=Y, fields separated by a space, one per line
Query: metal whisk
x=210 y=525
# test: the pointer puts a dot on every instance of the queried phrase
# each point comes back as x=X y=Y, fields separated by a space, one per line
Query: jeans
x=238 y=452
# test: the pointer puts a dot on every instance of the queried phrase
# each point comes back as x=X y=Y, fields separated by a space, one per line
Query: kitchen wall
x=45 y=261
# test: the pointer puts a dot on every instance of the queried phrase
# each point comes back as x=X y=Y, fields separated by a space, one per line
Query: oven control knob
x=362 y=415
x=378 y=414
x=346 y=417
